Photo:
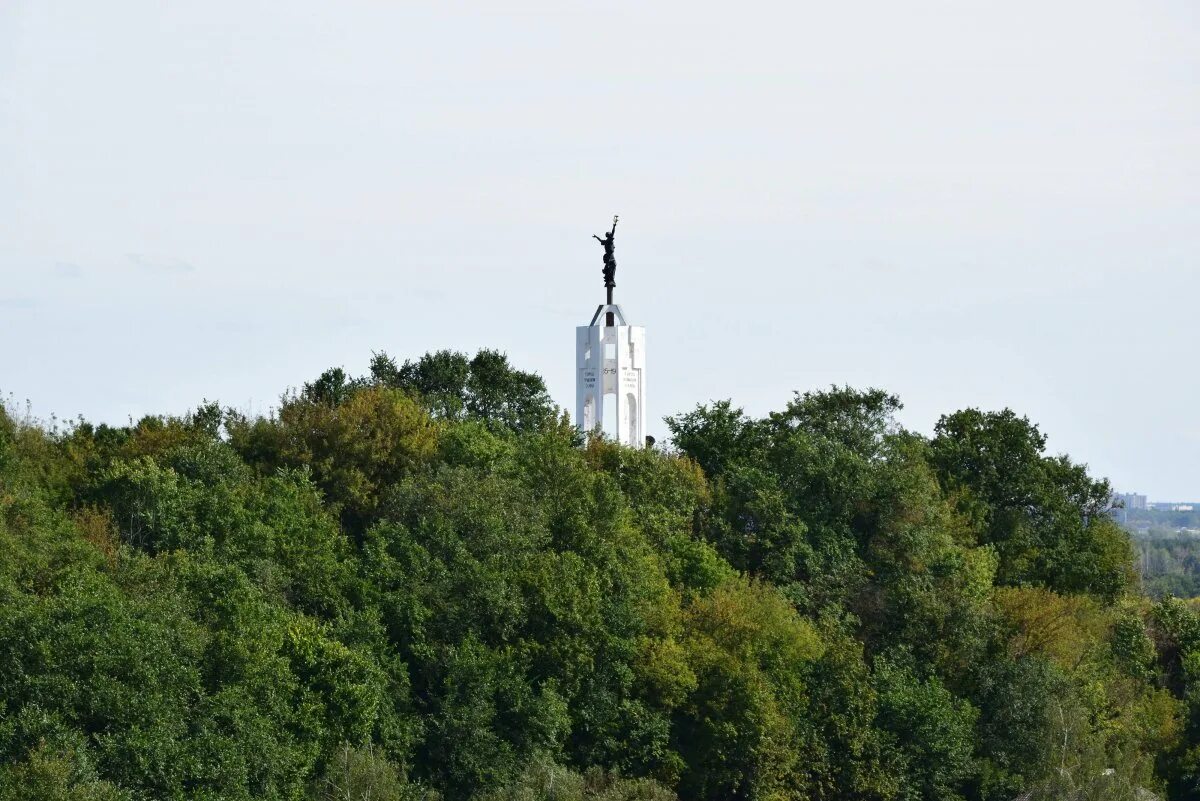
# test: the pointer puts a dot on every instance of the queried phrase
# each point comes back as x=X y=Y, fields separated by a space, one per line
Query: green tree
x=1044 y=515
x=932 y=730
x=484 y=387
x=425 y=583
x=742 y=731
x=355 y=449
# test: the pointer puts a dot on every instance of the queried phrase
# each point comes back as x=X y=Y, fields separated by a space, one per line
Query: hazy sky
x=968 y=204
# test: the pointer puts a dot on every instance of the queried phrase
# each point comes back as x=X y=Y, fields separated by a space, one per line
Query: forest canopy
x=424 y=583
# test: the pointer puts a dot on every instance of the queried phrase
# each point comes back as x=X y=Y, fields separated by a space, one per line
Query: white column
x=620 y=381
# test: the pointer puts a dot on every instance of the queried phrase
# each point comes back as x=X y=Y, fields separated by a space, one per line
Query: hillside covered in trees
x=1169 y=563
x=424 y=584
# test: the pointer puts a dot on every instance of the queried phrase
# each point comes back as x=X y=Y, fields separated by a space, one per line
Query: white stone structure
x=610 y=383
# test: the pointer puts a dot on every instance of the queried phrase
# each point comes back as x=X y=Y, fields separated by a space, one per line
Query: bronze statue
x=610 y=261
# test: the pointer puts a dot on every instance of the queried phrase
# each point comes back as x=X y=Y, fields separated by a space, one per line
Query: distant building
x=1131 y=500
x=1174 y=506
x=1125 y=502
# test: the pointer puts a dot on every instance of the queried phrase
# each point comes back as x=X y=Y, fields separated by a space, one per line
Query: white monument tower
x=610 y=367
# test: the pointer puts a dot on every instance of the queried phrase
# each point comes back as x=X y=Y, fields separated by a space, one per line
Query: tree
x=355 y=450
x=933 y=730
x=485 y=387
x=1045 y=516
x=425 y=583
x=742 y=731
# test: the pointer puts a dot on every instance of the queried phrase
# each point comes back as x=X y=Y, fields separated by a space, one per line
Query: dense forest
x=423 y=583
x=1166 y=548
x=1169 y=563
x=1160 y=519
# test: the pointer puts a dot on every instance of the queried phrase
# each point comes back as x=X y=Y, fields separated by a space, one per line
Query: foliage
x=484 y=387
x=1169 y=564
x=363 y=774
x=542 y=780
x=422 y=583
x=933 y=730
x=1044 y=515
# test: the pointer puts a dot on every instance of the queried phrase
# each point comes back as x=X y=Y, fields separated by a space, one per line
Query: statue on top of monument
x=610 y=261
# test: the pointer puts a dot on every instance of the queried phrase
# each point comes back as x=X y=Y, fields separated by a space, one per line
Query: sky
x=968 y=204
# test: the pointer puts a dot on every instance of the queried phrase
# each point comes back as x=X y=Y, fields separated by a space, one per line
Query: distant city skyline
x=1136 y=500
x=984 y=206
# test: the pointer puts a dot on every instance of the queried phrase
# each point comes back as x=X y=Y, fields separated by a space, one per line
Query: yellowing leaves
x=753 y=622
x=355 y=449
x=1060 y=628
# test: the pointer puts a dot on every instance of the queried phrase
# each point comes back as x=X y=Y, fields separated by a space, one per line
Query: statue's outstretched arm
x=598 y=239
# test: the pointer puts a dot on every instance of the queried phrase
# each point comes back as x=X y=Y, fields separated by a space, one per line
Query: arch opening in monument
x=631 y=417
x=589 y=413
x=609 y=410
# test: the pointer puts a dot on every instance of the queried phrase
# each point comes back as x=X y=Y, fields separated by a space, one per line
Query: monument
x=610 y=365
